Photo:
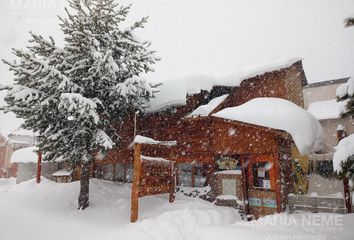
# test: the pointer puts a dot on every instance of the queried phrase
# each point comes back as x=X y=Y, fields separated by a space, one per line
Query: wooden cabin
x=256 y=161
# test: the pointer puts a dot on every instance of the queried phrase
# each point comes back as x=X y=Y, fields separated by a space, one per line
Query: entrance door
x=261 y=189
x=229 y=187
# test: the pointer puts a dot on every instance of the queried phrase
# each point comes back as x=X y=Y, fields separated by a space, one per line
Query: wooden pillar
x=244 y=185
x=347 y=198
x=277 y=170
x=172 y=183
x=135 y=187
x=39 y=167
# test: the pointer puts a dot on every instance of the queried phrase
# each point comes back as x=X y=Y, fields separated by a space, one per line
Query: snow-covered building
x=17 y=139
x=320 y=100
x=253 y=119
x=27 y=159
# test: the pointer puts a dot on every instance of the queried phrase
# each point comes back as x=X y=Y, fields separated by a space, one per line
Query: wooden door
x=261 y=186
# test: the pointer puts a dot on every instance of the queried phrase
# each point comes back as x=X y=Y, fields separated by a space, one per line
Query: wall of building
x=27 y=171
x=330 y=129
x=320 y=93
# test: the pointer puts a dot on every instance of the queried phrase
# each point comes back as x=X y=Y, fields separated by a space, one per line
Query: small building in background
x=19 y=138
x=320 y=100
x=26 y=160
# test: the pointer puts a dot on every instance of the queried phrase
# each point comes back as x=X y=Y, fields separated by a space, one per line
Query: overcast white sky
x=210 y=36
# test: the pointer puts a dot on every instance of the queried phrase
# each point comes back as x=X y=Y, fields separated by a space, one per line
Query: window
x=261 y=176
x=261 y=172
x=130 y=172
x=108 y=172
x=191 y=175
x=200 y=175
x=184 y=172
x=119 y=173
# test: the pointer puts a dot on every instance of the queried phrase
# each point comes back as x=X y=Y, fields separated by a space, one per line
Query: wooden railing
x=316 y=204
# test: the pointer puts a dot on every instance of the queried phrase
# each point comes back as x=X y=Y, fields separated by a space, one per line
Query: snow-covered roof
x=23 y=132
x=344 y=150
x=329 y=109
x=175 y=91
x=146 y=140
x=25 y=155
x=280 y=114
x=62 y=172
x=346 y=88
x=205 y=110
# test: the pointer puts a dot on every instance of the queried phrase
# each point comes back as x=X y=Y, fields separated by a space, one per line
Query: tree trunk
x=84 y=185
x=348 y=202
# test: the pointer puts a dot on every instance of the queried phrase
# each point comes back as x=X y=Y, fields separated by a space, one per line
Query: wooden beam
x=135 y=187
x=39 y=167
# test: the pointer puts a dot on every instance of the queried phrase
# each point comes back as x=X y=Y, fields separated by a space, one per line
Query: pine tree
x=345 y=92
x=74 y=96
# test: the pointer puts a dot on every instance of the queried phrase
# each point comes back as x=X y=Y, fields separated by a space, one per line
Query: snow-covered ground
x=48 y=211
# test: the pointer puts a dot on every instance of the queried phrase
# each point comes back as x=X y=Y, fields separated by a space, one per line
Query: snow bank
x=25 y=155
x=280 y=114
x=344 y=150
x=329 y=109
x=54 y=206
x=146 y=140
x=205 y=110
x=283 y=226
x=175 y=91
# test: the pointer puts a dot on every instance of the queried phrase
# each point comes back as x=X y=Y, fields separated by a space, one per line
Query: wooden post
x=244 y=186
x=347 y=198
x=135 y=187
x=277 y=172
x=39 y=167
x=172 y=183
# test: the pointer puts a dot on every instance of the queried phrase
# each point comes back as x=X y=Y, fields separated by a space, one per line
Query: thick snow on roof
x=174 y=91
x=329 y=109
x=346 y=88
x=205 y=110
x=23 y=132
x=146 y=140
x=344 y=150
x=25 y=155
x=280 y=114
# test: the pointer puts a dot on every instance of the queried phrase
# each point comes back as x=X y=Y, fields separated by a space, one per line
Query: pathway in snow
x=48 y=211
